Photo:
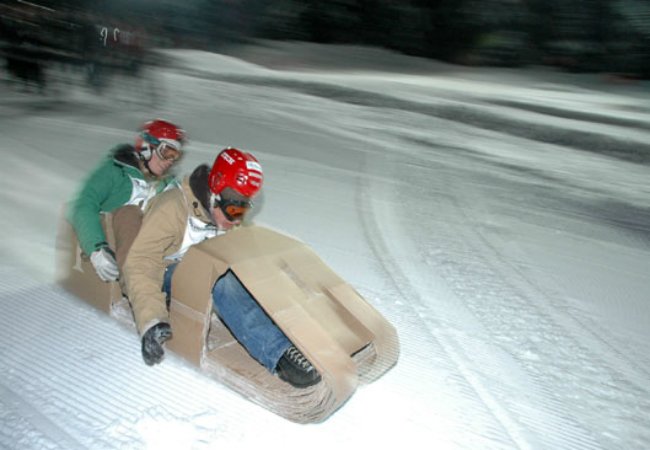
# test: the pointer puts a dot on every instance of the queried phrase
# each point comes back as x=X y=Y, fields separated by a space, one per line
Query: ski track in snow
x=530 y=324
x=56 y=376
x=517 y=315
x=461 y=204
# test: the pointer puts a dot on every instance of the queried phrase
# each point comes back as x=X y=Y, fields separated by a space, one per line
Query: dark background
x=611 y=36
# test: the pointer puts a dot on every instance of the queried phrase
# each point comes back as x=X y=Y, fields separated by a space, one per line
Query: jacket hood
x=199 y=185
x=125 y=154
x=197 y=199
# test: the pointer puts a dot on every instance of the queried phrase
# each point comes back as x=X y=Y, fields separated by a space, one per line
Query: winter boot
x=152 y=343
x=296 y=370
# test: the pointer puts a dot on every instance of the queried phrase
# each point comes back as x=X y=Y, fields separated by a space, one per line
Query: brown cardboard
x=344 y=337
x=75 y=272
x=191 y=305
x=319 y=312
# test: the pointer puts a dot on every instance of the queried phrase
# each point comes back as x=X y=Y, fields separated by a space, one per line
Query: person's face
x=159 y=166
x=221 y=221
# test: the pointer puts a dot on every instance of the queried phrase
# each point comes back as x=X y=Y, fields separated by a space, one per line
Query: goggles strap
x=144 y=152
x=214 y=199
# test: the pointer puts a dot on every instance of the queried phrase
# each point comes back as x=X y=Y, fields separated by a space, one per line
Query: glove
x=104 y=263
x=152 y=341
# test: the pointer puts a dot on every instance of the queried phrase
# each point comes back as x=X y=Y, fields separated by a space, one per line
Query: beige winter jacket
x=161 y=236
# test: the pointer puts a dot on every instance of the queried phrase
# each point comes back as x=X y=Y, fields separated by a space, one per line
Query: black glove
x=152 y=341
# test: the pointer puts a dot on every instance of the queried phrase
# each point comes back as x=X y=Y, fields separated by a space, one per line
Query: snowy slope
x=499 y=219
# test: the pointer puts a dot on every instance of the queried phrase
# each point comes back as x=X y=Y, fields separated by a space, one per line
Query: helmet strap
x=145 y=152
x=214 y=200
x=145 y=167
x=213 y=203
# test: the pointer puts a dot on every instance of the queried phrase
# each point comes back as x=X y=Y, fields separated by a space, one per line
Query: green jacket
x=117 y=181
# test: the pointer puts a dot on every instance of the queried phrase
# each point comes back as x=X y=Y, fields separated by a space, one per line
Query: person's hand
x=152 y=341
x=103 y=261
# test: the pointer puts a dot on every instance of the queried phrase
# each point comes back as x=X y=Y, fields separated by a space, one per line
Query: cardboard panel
x=76 y=273
x=190 y=331
x=191 y=304
x=278 y=293
x=248 y=242
x=195 y=276
x=385 y=339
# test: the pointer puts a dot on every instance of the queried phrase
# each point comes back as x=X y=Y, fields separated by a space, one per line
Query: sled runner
x=344 y=337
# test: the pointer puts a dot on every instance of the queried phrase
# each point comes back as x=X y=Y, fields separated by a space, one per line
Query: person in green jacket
x=122 y=184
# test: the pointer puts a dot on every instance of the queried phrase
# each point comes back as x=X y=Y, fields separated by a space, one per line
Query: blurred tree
x=279 y=19
x=412 y=29
x=497 y=32
x=331 y=21
x=581 y=35
x=576 y=35
x=375 y=22
x=338 y=21
x=451 y=32
x=630 y=38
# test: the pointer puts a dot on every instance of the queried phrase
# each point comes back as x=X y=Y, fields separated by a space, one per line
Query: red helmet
x=236 y=170
x=156 y=133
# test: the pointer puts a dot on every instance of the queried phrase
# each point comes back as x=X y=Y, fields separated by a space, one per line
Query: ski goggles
x=234 y=210
x=168 y=151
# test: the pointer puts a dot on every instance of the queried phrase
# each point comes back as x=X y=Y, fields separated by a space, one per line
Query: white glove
x=104 y=262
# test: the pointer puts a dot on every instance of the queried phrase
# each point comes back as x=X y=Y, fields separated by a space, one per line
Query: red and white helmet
x=237 y=170
x=157 y=134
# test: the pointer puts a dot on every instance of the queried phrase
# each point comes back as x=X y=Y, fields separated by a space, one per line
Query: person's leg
x=248 y=322
x=126 y=225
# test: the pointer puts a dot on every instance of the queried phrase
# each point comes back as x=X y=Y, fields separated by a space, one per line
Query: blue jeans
x=245 y=319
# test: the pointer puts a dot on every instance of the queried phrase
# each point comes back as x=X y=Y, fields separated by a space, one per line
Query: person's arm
x=84 y=211
x=161 y=233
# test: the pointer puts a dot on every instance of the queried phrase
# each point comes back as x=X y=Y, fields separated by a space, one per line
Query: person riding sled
x=208 y=203
x=123 y=184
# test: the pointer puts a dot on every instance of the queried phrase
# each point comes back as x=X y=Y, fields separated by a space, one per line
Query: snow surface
x=498 y=218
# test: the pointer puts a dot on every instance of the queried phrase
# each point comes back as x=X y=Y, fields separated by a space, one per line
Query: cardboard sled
x=345 y=338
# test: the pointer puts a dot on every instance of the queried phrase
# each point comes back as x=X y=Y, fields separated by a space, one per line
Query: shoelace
x=294 y=355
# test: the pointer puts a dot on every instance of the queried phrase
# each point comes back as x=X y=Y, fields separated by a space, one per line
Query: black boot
x=296 y=370
x=152 y=343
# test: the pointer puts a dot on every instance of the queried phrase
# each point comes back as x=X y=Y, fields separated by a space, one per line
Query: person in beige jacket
x=207 y=204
